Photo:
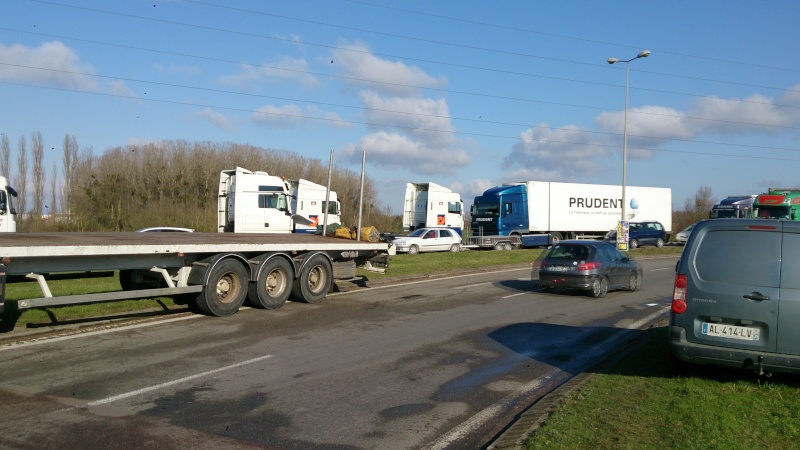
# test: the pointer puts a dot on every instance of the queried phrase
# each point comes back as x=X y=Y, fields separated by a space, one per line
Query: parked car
x=593 y=266
x=428 y=240
x=736 y=296
x=683 y=235
x=641 y=233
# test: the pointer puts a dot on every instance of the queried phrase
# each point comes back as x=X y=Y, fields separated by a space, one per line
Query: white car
x=684 y=234
x=428 y=240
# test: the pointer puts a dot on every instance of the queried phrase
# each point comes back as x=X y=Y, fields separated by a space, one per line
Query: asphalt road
x=444 y=363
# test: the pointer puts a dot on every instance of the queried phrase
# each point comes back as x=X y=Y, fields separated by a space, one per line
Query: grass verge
x=636 y=403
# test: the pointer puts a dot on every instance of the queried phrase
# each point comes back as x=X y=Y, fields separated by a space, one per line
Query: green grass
x=637 y=404
x=401 y=267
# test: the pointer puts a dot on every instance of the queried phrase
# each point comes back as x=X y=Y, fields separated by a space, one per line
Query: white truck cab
x=8 y=222
x=257 y=202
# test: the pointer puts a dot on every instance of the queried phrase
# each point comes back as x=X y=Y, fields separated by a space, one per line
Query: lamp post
x=643 y=54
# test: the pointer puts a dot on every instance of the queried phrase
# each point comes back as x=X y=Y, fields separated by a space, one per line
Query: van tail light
x=679 y=304
x=589 y=265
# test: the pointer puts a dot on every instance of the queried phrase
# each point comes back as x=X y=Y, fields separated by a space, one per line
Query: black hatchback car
x=593 y=266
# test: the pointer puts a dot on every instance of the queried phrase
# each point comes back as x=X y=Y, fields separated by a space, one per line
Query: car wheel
x=413 y=250
x=659 y=242
x=455 y=248
x=635 y=282
x=634 y=243
x=599 y=288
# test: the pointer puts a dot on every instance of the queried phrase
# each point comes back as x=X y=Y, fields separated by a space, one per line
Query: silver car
x=429 y=240
x=684 y=234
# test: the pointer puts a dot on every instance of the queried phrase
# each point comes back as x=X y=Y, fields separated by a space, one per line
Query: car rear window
x=740 y=257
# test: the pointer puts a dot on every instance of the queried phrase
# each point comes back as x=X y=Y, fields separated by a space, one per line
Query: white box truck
x=540 y=212
x=430 y=205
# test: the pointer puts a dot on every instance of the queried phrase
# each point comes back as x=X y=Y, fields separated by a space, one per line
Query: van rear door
x=733 y=293
x=788 y=335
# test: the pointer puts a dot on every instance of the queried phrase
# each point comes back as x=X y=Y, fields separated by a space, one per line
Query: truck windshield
x=486 y=209
x=773 y=212
x=723 y=214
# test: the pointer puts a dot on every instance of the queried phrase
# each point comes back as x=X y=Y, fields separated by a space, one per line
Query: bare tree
x=69 y=167
x=5 y=156
x=695 y=209
x=37 y=148
x=53 y=193
x=22 y=177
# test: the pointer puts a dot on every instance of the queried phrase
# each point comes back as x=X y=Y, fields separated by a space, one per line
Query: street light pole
x=643 y=54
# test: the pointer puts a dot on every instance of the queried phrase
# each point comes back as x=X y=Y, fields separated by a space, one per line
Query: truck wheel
x=314 y=281
x=555 y=238
x=273 y=284
x=599 y=288
x=126 y=281
x=413 y=250
x=225 y=289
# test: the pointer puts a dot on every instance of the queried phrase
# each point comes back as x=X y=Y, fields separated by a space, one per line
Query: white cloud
x=294 y=116
x=471 y=189
x=397 y=151
x=52 y=63
x=219 y=120
x=565 y=153
x=426 y=119
x=284 y=70
x=118 y=88
x=362 y=68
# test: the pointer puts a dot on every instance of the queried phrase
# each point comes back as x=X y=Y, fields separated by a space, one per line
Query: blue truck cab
x=501 y=211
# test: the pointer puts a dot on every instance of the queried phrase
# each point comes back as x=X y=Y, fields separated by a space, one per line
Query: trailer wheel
x=314 y=281
x=499 y=246
x=225 y=289
x=508 y=246
x=273 y=284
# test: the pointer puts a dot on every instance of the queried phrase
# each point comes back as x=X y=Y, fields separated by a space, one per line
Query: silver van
x=736 y=297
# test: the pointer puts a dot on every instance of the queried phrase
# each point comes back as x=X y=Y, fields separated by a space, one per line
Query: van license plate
x=730 y=331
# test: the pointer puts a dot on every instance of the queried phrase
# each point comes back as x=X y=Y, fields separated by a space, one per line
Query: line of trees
x=170 y=183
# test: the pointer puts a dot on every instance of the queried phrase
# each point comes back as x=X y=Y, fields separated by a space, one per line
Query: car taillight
x=679 y=304
x=589 y=266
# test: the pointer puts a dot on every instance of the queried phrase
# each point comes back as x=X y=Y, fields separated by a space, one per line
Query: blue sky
x=465 y=94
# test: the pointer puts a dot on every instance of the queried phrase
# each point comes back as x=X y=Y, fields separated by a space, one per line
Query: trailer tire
x=314 y=280
x=273 y=284
x=500 y=246
x=225 y=289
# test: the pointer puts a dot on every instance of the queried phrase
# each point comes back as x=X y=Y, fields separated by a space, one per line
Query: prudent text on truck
x=429 y=205
x=535 y=213
x=8 y=222
x=778 y=203
x=218 y=270
x=733 y=207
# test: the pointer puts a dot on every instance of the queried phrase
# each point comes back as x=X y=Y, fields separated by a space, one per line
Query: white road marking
x=468 y=286
x=409 y=283
x=514 y=295
x=174 y=382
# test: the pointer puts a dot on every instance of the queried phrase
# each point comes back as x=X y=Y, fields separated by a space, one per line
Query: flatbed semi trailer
x=220 y=270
